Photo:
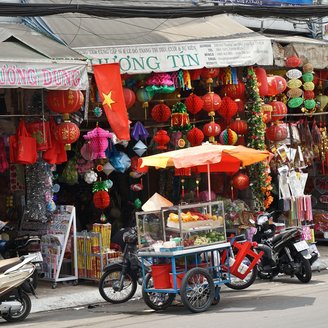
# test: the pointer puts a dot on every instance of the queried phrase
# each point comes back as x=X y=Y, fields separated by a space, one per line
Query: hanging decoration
x=276 y=85
x=144 y=97
x=137 y=186
x=195 y=136
x=240 y=181
x=266 y=110
x=67 y=133
x=262 y=81
x=228 y=108
x=211 y=130
x=293 y=62
x=97 y=111
x=108 y=168
x=139 y=148
x=139 y=132
x=159 y=83
x=276 y=132
x=212 y=103
x=129 y=97
x=180 y=118
x=90 y=176
x=209 y=74
x=228 y=137
x=279 y=110
x=234 y=91
x=194 y=103
x=161 y=113
x=162 y=139
x=239 y=126
x=40 y=131
x=101 y=199
x=322 y=101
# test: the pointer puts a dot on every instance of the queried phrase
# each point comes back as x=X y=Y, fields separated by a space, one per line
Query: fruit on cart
x=193 y=216
x=200 y=240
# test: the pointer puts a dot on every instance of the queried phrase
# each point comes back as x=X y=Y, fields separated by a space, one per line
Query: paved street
x=284 y=302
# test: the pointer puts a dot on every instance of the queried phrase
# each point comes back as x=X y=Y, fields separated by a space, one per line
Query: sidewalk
x=86 y=293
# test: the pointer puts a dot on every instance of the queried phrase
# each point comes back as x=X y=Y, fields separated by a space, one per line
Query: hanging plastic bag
x=40 y=131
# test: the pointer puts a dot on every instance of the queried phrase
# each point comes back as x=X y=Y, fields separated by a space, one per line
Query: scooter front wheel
x=23 y=312
x=110 y=289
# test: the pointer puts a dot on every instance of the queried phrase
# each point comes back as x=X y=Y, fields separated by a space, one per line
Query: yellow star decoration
x=108 y=99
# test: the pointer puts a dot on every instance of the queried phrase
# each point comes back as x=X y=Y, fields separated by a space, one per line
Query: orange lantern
x=162 y=139
x=160 y=113
x=276 y=132
x=67 y=133
x=228 y=108
x=279 y=110
x=211 y=130
x=195 y=136
x=239 y=126
x=129 y=97
x=212 y=103
x=64 y=101
x=194 y=103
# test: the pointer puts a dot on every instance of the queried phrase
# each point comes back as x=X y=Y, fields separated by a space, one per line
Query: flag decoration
x=109 y=84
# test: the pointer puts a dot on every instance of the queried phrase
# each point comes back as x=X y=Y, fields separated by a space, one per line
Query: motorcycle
x=15 y=303
x=285 y=252
x=120 y=279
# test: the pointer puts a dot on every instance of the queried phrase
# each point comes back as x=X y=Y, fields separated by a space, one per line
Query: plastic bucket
x=179 y=279
x=161 y=276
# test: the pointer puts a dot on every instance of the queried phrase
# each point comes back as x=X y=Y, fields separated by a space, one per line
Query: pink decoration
x=86 y=151
x=4 y=165
x=160 y=79
x=98 y=141
x=205 y=196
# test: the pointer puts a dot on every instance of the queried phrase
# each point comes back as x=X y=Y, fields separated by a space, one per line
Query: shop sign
x=185 y=55
x=48 y=76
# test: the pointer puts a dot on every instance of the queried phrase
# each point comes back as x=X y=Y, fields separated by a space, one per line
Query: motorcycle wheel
x=156 y=301
x=237 y=283
x=108 y=286
x=23 y=312
x=306 y=272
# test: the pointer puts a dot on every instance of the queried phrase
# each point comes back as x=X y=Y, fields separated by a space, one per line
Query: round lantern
x=293 y=62
x=209 y=74
x=67 y=133
x=308 y=68
x=212 y=103
x=240 y=104
x=143 y=96
x=194 y=103
x=234 y=91
x=228 y=137
x=239 y=126
x=266 y=110
x=129 y=97
x=195 y=136
x=307 y=77
x=276 y=132
x=276 y=85
x=322 y=100
x=240 y=181
x=228 y=108
x=295 y=102
x=308 y=86
x=211 y=130
x=64 y=101
x=160 y=113
x=308 y=94
x=162 y=139
x=294 y=73
x=309 y=103
x=261 y=81
x=279 y=110
x=101 y=199
x=294 y=93
x=294 y=84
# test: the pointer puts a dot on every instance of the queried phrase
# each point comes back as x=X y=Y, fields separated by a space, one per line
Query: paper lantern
x=322 y=101
x=276 y=132
x=162 y=139
x=307 y=77
x=294 y=84
x=240 y=181
x=98 y=138
x=266 y=110
x=279 y=110
x=228 y=137
x=228 y=108
x=241 y=105
x=195 y=136
x=160 y=113
x=194 y=103
x=261 y=81
x=212 y=103
x=239 y=126
x=209 y=74
x=308 y=86
x=64 y=101
x=101 y=199
x=309 y=103
x=293 y=62
x=67 y=133
x=295 y=102
x=234 y=91
x=294 y=93
x=108 y=168
x=129 y=97
x=294 y=74
x=308 y=68
x=308 y=94
x=211 y=130
x=143 y=96
x=276 y=85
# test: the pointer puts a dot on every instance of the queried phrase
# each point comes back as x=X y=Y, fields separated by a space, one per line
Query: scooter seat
x=276 y=238
x=8 y=263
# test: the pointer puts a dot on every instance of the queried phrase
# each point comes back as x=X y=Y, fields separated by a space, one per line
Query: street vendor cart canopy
x=31 y=60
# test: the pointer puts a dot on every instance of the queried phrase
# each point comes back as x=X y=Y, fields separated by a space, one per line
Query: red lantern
x=67 y=133
x=262 y=81
x=64 y=101
x=240 y=181
x=266 y=110
x=293 y=62
x=160 y=113
x=239 y=126
x=276 y=85
x=308 y=94
x=212 y=103
x=194 y=103
x=129 y=97
x=195 y=74
x=195 y=136
x=211 y=130
x=240 y=141
x=162 y=139
x=179 y=120
x=241 y=105
x=101 y=199
x=276 y=132
x=209 y=74
x=228 y=108
x=279 y=110
x=281 y=84
x=234 y=91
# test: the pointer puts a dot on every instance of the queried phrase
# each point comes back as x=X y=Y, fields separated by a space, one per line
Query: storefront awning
x=31 y=60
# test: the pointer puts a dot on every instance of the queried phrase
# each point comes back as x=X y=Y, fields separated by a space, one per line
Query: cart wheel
x=197 y=290
x=156 y=301
x=54 y=285
x=217 y=295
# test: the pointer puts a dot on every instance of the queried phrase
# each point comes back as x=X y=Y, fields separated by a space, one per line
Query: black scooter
x=285 y=252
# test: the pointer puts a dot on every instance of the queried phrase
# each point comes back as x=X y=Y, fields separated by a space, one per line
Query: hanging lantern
x=234 y=91
x=241 y=105
x=101 y=199
x=195 y=136
x=129 y=97
x=228 y=137
x=239 y=126
x=162 y=139
x=309 y=104
x=294 y=93
x=211 y=130
x=240 y=181
x=322 y=100
x=98 y=138
x=240 y=141
x=209 y=74
x=276 y=85
x=228 y=108
x=144 y=97
x=160 y=113
x=307 y=77
x=212 y=103
x=262 y=81
x=194 y=103
x=308 y=94
x=64 y=101
x=67 y=133
x=279 y=110
x=293 y=62
x=307 y=68
x=276 y=132
x=308 y=86
x=266 y=110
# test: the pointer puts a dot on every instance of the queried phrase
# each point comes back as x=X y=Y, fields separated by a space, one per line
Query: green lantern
x=307 y=77
x=295 y=102
x=309 y=103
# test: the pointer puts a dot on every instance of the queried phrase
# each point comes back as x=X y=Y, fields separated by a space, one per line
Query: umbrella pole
x=209 y=182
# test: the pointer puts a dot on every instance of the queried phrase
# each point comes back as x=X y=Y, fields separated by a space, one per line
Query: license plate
x=301 y=246
x=38 y=257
